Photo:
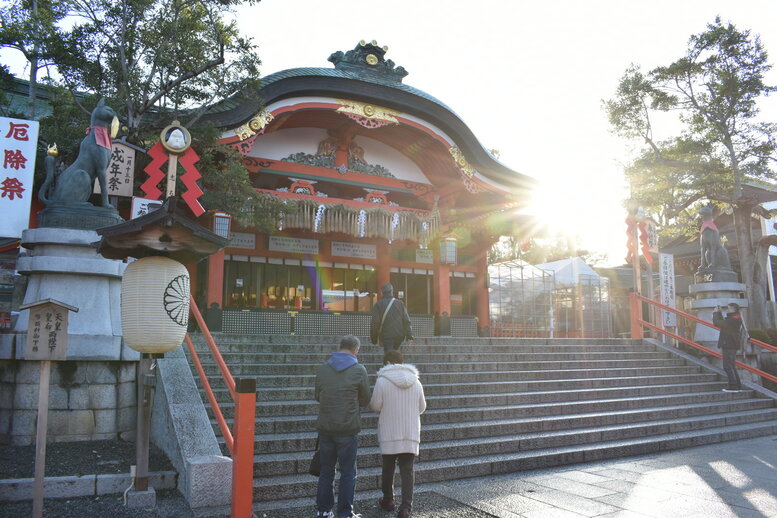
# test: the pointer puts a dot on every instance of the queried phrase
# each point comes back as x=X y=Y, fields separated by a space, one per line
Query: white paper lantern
x=154 y=304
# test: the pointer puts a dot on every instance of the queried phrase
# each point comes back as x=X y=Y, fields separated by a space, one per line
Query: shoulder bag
x=383 y=319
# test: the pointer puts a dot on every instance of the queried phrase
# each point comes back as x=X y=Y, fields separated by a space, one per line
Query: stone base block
x=144 y=499
x=208 y=481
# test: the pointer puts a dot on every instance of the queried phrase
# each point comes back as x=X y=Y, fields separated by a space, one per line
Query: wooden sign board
x=47 y=332
x=120 y=176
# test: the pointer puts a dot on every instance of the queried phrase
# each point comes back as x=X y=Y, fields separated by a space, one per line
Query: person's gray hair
x=350 y=343
x=387 y=288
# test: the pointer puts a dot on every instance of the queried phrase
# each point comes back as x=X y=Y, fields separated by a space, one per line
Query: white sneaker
x=328 y=514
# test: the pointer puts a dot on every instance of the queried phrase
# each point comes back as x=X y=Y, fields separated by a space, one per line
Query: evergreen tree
x=714 y=89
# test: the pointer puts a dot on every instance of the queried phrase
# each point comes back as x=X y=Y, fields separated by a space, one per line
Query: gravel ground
x=170 y=504
x=77 y=458
x=102 y=457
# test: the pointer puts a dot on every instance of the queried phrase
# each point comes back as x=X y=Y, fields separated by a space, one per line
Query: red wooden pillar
x=441 y=288
x=383 y=269
x=243 y=449
x=215 y=286
x=481 y=292
x=636 y=314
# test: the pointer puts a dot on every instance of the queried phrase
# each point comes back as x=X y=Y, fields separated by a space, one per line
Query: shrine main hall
x=384 y=183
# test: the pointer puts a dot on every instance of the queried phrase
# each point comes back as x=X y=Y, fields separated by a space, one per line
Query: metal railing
x=239 y=440
x=638 y=323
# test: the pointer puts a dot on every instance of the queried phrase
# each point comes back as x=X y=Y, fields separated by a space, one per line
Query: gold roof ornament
x=371 y=111
x=257 y=123
x=461 y=162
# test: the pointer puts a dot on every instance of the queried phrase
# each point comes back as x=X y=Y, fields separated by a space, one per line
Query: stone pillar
x=64 y=265
x=711 y=294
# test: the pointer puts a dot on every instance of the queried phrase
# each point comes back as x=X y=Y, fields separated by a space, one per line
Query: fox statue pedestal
x=711 y=294
x=64 y=265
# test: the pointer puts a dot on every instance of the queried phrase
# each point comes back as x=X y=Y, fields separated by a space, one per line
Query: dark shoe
x=403 y=513
x=386 y=505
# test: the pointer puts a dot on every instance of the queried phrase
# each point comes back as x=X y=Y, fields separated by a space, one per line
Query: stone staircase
x=494 y=405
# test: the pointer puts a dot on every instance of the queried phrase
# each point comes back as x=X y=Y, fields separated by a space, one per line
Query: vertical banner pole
x=40 y=439
x=143 y=424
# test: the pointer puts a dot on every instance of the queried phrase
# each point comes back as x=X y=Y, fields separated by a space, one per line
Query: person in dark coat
x=729 y=342
x=341 y=389
x=390 y=328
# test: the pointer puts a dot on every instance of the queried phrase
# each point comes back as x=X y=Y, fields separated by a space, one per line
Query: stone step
x=307 y=424
x=494 y=405
x=304 y=441
x=492 y=387
x=295 y=486
x=462 y=399
x=427 y=357
x=278 y=342
x=293 y=459
x=302 y=381
x=246 y=369
x=492 y=410
x=372 y=350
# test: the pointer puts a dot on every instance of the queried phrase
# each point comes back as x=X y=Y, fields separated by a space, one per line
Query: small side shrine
x=384 y=183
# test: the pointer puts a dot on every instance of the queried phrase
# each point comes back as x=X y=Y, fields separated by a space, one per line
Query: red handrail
x=241 y=442
x=637 y=322
x=225 y=431
x=213 y=348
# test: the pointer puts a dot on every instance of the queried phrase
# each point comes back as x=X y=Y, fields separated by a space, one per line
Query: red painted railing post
x=636 y=311
x=243 y=455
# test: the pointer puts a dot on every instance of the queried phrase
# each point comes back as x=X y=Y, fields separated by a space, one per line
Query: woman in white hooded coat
x=398 y=397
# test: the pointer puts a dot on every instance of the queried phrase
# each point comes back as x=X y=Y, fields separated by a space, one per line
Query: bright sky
x=527 y=76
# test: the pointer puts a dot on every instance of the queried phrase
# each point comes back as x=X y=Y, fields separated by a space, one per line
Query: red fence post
x=636 y=311
x=243 y=455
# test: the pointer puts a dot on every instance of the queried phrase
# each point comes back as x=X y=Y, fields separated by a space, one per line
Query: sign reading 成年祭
x=18 y=140
x=667 y=288
x=121 y=171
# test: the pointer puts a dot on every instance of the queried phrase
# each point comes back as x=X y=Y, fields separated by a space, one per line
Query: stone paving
x=733 y=479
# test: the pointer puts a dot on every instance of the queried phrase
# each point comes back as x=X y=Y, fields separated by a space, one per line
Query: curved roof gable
x=363 y=74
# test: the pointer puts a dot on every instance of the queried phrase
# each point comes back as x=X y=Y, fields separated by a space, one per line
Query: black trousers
x=406 y=473
x=729 y=365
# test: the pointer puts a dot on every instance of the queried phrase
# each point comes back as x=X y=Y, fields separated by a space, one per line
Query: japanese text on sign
x=667 y=288
x=142 y=206
x=18 y=141
x=47 y=333
x=120 y=176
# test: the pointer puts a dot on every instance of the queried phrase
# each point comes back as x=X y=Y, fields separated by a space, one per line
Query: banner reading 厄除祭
x=18 y=143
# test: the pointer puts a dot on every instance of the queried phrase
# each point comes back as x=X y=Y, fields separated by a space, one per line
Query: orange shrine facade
x=384 y=183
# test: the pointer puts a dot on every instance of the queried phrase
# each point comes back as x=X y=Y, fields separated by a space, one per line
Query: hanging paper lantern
x=154 y=304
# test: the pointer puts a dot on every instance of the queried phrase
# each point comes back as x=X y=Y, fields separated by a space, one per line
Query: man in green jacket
x=341 y=389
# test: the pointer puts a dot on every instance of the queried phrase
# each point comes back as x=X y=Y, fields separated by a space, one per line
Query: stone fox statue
x=713 y=253
x=74 y=184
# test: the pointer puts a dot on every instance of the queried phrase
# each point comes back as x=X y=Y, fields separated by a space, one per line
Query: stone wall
x=88 y=400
